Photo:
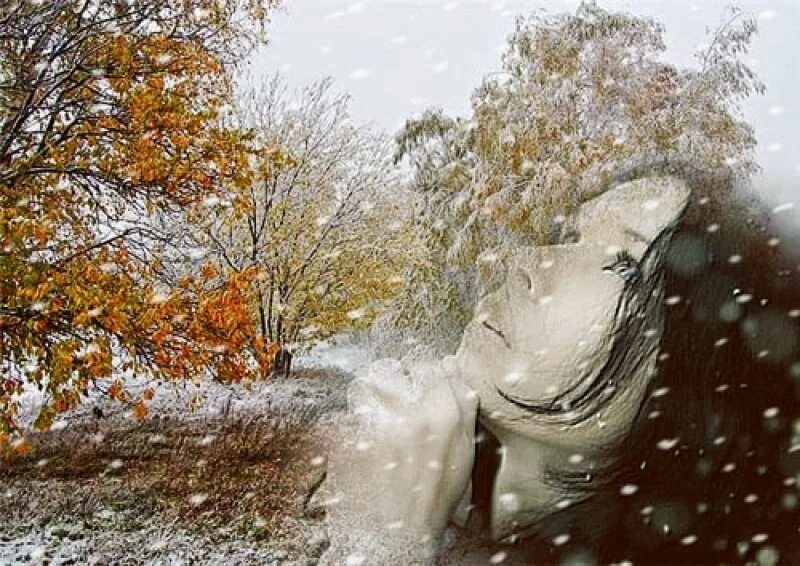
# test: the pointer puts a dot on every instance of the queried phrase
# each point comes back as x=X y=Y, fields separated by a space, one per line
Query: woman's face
x=545 y=329
x=548 y=328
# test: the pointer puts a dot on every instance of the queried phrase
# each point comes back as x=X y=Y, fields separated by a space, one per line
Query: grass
x=241 y=476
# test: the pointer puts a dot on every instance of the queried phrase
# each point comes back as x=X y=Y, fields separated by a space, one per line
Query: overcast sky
x=397 y=57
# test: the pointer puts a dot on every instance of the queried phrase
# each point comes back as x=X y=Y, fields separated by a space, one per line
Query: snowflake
x=561 y=540
x=355 y=559
x=198 y=499
x=356 y=314
x=575 y=458
x=783 y=207
x=509 y=501
x=359 y=74
x=667 y=443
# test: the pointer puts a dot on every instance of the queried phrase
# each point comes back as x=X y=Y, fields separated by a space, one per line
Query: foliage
x=109 y=112
x=580 y=98
x=322 y=221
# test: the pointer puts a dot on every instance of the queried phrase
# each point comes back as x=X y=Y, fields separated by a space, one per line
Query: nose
x=521 y=281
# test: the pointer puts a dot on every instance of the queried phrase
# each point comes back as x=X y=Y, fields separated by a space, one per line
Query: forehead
x=558 y=264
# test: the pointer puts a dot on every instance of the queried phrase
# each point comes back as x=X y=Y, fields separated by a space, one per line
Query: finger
x=467 y=400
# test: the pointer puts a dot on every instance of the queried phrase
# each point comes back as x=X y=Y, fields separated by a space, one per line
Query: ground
x=229 y=482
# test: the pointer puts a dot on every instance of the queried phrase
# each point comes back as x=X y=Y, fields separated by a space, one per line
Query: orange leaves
x=121 y=51
x=208 y=272
x=116 y=391
x=140 y=411
x=17 y=447
x=132 y=130
x=12 y=446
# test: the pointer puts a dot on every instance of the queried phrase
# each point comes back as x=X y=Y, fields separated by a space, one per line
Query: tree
x=322 y=222
x=581 y=99
x=109 y=113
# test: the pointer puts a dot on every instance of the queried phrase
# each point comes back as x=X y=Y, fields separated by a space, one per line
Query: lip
x=550 y=405
x=486 y=325
x=523 y=404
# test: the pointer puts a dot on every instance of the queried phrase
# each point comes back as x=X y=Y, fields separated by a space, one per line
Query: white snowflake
x=359 y=74
x=561 y=540
x=667 y=443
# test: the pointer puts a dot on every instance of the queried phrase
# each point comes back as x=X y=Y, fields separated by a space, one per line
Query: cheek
x=580 y=311
x=553 y=332
x=550 y=357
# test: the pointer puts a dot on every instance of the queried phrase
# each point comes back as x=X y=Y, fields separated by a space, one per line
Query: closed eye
x=625 y=266
x=498 y=332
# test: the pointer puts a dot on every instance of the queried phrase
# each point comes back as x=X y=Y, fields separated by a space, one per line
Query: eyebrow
x=637 y=236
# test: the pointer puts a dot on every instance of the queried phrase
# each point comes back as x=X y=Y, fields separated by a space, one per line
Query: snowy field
x=217 y=473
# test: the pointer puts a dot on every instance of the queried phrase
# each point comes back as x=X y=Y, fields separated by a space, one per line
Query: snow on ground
x=38 y=533
x=342 y=353
x=315 y=392
x=112 y=517
x=341 y=356
x=75 y=544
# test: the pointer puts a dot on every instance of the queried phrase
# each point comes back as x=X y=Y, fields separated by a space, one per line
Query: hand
x=410 y=461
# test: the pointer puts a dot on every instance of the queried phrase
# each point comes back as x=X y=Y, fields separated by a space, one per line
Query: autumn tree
x=323 y=221
x=581 y=100
x=109 y=113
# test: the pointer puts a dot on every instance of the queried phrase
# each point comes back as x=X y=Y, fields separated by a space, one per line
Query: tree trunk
x=287 y=364
x=283 y=362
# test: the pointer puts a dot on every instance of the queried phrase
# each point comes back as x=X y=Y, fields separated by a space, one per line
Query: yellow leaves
x=20 y=446
x=44 y=419
x=138 y=121
x=208 y=272
x=116 y=391
x=140 y=410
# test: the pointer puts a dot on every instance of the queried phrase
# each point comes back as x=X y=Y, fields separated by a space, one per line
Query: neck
x=521 y=494
x=524 y=489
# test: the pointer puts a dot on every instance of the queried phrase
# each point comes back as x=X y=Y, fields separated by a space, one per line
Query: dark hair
x=709 y=465
x=629 y=345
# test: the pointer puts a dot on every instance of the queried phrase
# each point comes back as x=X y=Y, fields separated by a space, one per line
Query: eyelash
x=625 y=266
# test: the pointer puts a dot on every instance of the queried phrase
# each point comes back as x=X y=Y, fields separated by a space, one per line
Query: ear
x=635 y=211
